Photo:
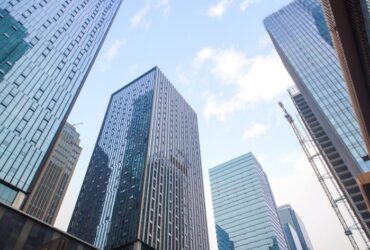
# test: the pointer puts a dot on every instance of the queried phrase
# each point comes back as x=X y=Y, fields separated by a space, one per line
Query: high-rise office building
x=51 y=185
x=301 y=37
x=144 y=187
x=244 y=205
x=293 y=228
x=47 y=50
x=349 y=26
x=339 y=169
x=223 y=239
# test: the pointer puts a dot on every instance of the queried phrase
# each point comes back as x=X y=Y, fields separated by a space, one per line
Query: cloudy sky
x=219 y=57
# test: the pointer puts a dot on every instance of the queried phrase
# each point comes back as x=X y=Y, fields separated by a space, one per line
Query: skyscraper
x=349 y=26
x=292 y=224
x=244 y=205
x=51 y=185
x=301 y=37
x=144 y=188
x=47 y=50
x=341 y=172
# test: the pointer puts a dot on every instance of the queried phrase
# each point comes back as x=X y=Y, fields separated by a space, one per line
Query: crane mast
x=336 y=197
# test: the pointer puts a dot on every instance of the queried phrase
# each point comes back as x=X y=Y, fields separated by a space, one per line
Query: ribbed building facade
x=51 y=185
x=340 y=171
x=144 y=187
x=47 y=50
x=294 y=229
x=349 y=25
x=244 y=205
x=302 y=39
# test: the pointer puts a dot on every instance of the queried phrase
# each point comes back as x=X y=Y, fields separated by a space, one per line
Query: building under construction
x=334 y=175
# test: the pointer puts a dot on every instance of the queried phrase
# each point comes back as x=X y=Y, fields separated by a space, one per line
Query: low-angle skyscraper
x=47 y=50
x=292 y=224
x=340 y=171
x=301 y=37
x=144 y=187
x=51 y=185
x=244 y=205
x=349 y=26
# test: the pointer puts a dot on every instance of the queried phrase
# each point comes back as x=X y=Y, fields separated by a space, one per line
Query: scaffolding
x=339 y=203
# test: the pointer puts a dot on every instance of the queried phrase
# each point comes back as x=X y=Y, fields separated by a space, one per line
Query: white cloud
x=133 y=69
x=111 y=53
x=256 y=79
x=255 y=130
x=245 y=4
x=219 y=8
x=224 y=64
x=139 y=18
x=164 y=5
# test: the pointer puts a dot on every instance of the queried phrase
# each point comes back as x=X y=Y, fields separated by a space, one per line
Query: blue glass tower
x=244 y=206
x=301 y=38
x=143 y=187
x=292 y=225
x=47 y=50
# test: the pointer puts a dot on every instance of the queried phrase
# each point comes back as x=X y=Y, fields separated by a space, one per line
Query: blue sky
x=219 y=57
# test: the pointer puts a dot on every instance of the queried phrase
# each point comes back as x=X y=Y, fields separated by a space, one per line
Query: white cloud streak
x=218 y=10
x=164 y=5
x=244 y=5
x=255 y=130
x=139 y=18
x=256 y=79
x=111 y=53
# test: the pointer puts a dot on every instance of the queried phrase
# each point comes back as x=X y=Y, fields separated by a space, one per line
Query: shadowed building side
x=48 y=192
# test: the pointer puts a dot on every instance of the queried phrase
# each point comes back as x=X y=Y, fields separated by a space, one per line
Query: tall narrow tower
x=47 y=50
x=144 y=187
x=301 y=37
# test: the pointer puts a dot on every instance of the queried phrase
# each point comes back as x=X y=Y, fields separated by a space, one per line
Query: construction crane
x=334 y=193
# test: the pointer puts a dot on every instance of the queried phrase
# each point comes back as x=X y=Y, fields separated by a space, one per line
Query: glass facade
x=293 y=228
x=340 y=170
x=44 y=60
x=301 y=37
x=292 y=238
x=144 y=187
x=223 y=239
x=244 y=205
x=51 y=185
